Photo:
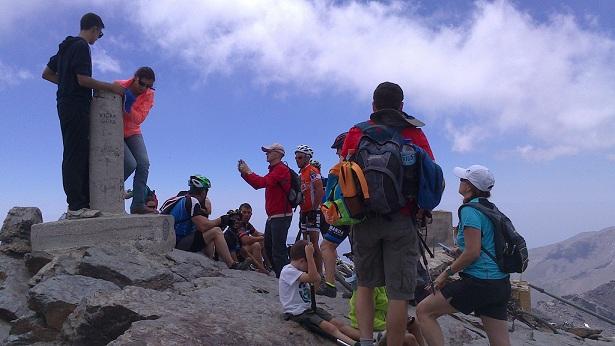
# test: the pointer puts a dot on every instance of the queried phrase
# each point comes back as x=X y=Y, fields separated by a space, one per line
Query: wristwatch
x=449 y=271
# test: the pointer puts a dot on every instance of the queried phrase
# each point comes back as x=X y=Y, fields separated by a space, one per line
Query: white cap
x=478 y=175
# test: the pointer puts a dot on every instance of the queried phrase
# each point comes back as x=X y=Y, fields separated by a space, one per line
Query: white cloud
x=465 y=137
x=103 y=62
x=11 y=75
x=552 y=81
x=531 y=153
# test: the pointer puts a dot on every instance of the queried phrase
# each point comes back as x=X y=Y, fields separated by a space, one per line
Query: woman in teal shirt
x=483 y=289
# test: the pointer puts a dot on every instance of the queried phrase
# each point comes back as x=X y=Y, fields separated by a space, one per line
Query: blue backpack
x=430 y=179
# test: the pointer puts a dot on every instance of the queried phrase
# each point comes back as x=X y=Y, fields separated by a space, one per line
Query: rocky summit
x=118 y=294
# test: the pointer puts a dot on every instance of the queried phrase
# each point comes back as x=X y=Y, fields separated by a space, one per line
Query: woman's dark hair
x=245 y=205
x=476 y=193
x=145 y=72
x=90 y=20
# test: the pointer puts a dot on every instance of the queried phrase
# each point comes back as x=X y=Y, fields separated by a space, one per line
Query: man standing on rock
x=71 y=69
x=385 y=247
x=279 y=210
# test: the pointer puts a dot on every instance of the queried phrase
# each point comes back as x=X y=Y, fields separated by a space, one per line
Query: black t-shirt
x=73 y=58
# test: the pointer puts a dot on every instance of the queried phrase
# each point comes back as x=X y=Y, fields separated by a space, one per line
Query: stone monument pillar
x=107 y=153
x=106 y=194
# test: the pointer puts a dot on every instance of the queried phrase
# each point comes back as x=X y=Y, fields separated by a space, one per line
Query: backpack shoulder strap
x=489 y=212
x=346 y=181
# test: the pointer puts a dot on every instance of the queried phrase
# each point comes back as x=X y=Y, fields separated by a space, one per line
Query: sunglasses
x=145 y=85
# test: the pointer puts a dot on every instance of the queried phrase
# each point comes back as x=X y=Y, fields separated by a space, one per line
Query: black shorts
x=309 y=221
x=193 y=242
x=324 y=226
x=484 y=297
x=314 y=317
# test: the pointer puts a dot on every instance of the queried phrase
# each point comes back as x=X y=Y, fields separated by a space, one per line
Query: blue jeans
x=276 y=231
x=136 y=160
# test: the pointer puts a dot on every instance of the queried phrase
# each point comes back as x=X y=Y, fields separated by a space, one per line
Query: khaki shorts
x=385 y=254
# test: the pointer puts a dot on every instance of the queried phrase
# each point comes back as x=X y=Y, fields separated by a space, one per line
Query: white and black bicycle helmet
x=303 y=148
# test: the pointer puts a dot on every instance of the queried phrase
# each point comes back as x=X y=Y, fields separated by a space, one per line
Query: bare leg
x=365 y=311
x=216 y=237
x=397 y=316
x=331 y=329
x=497 y=331
x=254 y=251
x=329 y=256
x=427 y=313
x=314 y=237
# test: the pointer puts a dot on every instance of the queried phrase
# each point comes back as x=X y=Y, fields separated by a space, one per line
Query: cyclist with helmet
x=335 y=234
x=311 y=186
x=194 y=231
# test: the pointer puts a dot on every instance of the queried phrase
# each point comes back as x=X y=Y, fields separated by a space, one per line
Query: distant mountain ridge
x=575 y=265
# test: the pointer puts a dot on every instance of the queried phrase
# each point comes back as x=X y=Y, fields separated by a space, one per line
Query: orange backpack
x=354 y=188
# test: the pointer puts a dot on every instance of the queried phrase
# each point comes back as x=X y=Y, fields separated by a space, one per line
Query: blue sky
x=526 y=88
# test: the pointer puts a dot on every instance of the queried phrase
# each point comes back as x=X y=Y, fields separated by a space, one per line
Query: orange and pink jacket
x=139 y=111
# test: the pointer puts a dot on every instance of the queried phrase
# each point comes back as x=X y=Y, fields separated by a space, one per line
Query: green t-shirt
x=381 y=303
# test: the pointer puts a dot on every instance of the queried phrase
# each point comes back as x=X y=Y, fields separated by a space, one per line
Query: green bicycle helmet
x=199 y=181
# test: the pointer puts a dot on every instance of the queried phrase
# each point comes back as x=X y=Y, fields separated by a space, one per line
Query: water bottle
x=408 y=155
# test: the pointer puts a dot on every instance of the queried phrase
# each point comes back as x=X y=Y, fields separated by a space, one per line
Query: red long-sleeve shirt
x=276 y=184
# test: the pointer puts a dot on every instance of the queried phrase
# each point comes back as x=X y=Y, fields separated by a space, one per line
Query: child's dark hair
x=297 y=251
x=145 y=72
x=245 y=206
x=90 y=20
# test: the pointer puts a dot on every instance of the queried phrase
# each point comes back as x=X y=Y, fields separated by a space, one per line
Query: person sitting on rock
x=243 y=242
x=294 y=292
x=194 y=231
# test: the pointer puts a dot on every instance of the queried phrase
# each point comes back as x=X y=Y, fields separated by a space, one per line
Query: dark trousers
x=75 y=126
x=276 y=231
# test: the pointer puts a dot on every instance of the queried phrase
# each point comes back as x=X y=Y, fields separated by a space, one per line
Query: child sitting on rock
x=294 y=291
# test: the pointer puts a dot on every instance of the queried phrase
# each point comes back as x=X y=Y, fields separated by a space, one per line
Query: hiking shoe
x=143 y=210
x=83 y=213
x=128 y=194
x=327 y=290
x=245 y=265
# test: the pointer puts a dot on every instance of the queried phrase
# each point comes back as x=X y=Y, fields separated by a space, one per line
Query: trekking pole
x=541 y=290
x=307 y=236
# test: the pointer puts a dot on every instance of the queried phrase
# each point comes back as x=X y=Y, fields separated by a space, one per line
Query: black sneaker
x=327 y=290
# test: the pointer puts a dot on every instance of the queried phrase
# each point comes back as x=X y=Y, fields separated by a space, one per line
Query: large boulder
x=56 y=298
x=15 y=232
x=13 y=288
x=35 y=261
x=30 y=329
x=187 y=266
x=124 y=266
x=239 y=308
x=63 y=262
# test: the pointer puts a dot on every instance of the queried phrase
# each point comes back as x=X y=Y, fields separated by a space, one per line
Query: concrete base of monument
x=154 y=232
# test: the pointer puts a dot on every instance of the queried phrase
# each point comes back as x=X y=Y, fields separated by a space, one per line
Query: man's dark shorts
x=314 y=317
x=193 y=242
x=385 y=254
x=337 y=234
x=484 y=297
x=309 y=221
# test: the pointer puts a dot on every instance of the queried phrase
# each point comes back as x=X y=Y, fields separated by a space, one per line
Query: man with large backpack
x=277 y=184
x=385 y=244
